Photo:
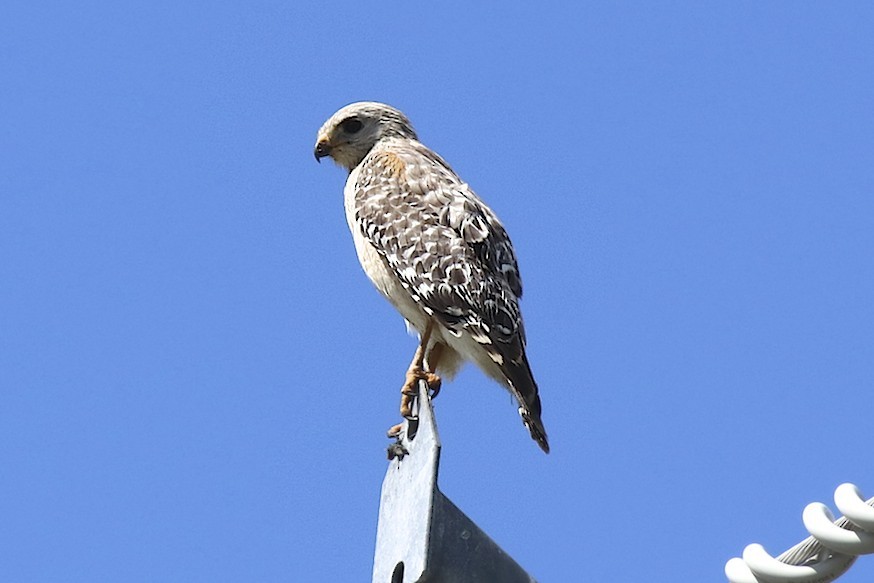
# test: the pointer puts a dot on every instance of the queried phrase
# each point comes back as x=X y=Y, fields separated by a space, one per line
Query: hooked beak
x=323 y=148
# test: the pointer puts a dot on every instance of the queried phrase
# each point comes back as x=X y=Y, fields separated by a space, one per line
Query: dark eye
x=352 y=125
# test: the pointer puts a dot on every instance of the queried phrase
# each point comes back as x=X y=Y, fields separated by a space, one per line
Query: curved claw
x=434 y=383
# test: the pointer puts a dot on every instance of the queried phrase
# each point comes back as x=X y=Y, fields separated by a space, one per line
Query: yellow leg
x=415 y=373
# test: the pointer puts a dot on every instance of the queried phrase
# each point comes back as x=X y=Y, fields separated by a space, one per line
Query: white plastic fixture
x=834 y=545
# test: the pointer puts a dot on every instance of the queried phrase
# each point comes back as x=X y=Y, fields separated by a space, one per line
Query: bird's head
x=349 y=134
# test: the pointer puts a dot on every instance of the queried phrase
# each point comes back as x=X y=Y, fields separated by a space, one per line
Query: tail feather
x=525 y=390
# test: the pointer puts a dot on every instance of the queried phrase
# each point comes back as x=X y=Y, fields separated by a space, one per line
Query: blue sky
x=196 y=376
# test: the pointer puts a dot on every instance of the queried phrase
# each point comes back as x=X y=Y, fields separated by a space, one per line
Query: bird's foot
x=410 y=390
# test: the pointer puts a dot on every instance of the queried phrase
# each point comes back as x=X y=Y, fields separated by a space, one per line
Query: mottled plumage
x=433 y=249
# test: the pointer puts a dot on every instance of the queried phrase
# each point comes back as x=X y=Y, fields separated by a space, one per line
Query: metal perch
x=422 y=536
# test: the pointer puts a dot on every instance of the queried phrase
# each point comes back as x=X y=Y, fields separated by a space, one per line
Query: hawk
x=435 y=251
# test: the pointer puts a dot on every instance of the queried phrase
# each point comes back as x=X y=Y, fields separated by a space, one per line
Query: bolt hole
x=412 y=428
x=398 y=575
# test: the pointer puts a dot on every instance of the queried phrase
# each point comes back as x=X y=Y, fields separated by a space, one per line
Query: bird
x=435 y=251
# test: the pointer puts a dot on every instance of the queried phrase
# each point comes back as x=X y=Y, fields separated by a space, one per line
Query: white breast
x=389 y=285
x=375 y=266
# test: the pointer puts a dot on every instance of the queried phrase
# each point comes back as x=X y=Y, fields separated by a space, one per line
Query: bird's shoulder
x=406 y=168
x=405 y=192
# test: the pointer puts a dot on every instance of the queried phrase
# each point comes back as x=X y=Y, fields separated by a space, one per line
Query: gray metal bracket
x=422 y=536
